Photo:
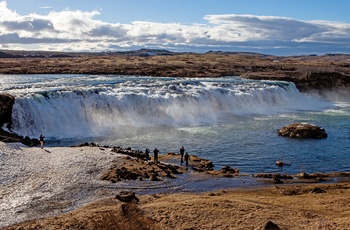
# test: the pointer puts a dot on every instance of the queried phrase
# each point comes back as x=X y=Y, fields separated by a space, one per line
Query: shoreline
x=43 y=183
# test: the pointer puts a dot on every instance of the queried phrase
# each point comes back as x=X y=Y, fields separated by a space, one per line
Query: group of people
x=155 y=155
x=184 y=156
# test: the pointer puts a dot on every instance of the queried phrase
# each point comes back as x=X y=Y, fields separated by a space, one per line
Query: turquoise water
x=230 y=121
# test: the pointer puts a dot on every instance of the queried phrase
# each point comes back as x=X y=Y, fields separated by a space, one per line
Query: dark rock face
x=133 y=153
x=13 y=137
x=6 y=104
x=324 y=80
x=307 y=82
x=302 y=130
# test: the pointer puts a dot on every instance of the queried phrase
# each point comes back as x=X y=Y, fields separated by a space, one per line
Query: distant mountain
x=148 y=53
x=34 y=54
x=6 y=55
x=52 y=54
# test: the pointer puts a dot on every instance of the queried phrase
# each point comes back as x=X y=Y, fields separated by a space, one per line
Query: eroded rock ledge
x=135 y=166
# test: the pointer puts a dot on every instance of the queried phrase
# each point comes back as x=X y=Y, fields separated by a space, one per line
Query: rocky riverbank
x=39 y=183
x=61 y=188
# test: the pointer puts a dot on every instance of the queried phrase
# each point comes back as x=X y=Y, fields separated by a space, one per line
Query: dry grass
x=300 y=69
x=252 y=209
x=103 y=214
x=290 y=207
x=195 y=65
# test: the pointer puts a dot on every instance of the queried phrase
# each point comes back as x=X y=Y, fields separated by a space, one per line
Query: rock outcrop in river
x=302 y=130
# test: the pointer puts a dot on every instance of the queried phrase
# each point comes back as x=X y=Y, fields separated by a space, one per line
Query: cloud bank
x=79 y=31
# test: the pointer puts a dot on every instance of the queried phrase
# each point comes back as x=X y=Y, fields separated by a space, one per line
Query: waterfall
x=104 y=107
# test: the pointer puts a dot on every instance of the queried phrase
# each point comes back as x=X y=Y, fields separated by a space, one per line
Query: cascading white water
x=104 y=105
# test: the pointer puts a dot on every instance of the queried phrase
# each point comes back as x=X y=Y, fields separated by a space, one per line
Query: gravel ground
x=38 y=182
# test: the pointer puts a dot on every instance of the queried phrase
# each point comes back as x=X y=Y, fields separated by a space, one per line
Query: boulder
x=127 y=197
x=201 y=165
x=228 y=169
x=317 y=190
x=271 y=226
x=302 y=130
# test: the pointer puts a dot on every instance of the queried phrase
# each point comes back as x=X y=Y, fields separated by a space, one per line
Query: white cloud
x=6 y=14
x=69 y=30
x=250 y=27
x=45 y=7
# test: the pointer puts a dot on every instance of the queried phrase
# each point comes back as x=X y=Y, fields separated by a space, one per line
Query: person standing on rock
x=187 y=158
x=41 y=139
x=155 y=152
x=147 y=155
x=182 y=152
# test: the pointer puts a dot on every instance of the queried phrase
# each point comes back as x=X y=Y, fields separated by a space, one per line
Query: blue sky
x=280 y=27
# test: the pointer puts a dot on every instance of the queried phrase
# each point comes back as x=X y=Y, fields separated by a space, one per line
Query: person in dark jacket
x=182 y=152
x=147 y=155
x=187 y=158
x=155 y=152
x=41 y=139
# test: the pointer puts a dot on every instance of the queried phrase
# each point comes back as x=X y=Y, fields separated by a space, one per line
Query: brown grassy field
x=329 y=71
x=289 y=207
